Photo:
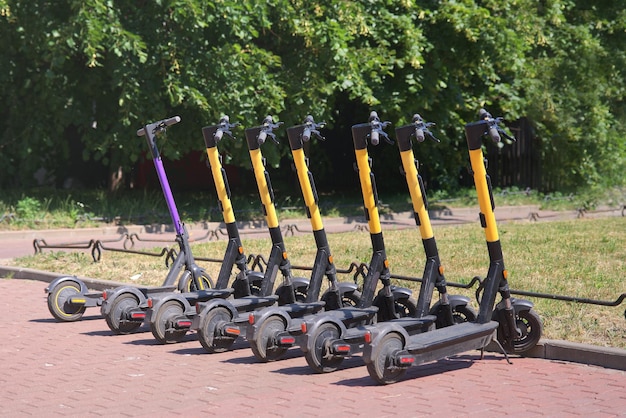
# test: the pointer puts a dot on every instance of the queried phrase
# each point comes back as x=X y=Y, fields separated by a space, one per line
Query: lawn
x=584 y=258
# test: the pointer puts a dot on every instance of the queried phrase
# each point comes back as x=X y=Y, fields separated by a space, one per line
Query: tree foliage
x=93 y=71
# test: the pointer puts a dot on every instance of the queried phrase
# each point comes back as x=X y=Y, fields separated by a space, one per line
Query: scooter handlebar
x=494 y=130
x=160 y=125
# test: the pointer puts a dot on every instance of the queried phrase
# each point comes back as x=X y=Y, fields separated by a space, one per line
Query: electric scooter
x=170 y=315
x=68 y=296
x=221 y=322
x=267 y=324
x=125 y=307
x=312 y=332
x=450 y=309
x=389 y=350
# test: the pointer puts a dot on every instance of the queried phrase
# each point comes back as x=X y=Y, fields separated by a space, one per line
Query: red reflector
x=406 y=360
x=303 y=327
x=367 y=337
x=183 y=323
x=342 y=348
x=198 y=308
x=138 y=315
x=251 y=319
x=232 y=331
x=104 y=295
x=149 y=303
x=287 y=340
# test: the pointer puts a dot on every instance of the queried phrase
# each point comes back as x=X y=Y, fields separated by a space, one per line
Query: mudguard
x=401 y=292
x=313 y=323
x=158 y=302
x=214 y=303
x=115 y=293
x=370 y=351
x=519 y=305
x=300 y=284
x=58 y=280
x=455 y=300
x=261 y=316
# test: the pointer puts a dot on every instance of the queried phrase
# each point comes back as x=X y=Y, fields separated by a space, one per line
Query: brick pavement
x=81 y=369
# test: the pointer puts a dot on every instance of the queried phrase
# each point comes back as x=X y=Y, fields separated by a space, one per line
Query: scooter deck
x=351 y=316
x=205 y=295
x=300 y=309
x=416 y=325
x=456 y=339
x=248 y=303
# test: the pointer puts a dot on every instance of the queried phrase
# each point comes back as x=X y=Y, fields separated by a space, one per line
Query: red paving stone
x=81 y=369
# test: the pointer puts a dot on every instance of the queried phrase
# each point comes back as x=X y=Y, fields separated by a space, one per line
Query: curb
x=609 y=357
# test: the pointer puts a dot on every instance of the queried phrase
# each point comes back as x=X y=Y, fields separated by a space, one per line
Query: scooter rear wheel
x=265 y=348
x=319 y=357
x=116 y=318
x=382 y=369
x=162 y=326
x=208 y=333
x=58 y=302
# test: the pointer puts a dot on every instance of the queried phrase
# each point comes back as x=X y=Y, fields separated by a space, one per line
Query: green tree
x=95 y=70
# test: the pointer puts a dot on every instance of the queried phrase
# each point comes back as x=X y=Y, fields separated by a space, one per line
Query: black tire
x=301 y=294
x=208 y=335
x=463 y=313
x=382 y=369
x=161 y=324
x=58 y=302
x=317 y=357
x=351 y=299
x=116 y=318
x=405 y=307
x=264 y=347
x=531 y=326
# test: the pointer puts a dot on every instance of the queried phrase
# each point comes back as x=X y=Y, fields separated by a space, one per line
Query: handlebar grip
x=494 y=134
x=375 y=137
x=164 y=122
x=419 y=135
x=262 y=137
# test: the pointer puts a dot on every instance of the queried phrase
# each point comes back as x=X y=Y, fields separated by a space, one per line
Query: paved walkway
x=81 y=369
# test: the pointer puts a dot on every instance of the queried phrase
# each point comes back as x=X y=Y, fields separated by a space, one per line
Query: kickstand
x=506 y=356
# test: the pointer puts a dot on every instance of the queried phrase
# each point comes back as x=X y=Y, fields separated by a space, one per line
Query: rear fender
x=117 y=292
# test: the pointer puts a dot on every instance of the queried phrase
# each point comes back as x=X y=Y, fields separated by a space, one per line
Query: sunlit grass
x=585 y=258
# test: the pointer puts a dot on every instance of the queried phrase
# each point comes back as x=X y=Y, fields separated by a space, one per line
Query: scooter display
x=170 y=315
x=221 y=322
x=266 y=325
x=390 y=350
x=68 y=297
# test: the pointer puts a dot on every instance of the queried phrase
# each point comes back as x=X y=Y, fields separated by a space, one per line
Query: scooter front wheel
x=209 y=334
x=205 y=281
x=382 y=369
x=58 y=302
x=319 y=357
x=463 y=313
x=531 y=329
x=116 y=319
x=265 y=347
x=162 y=325
x=351 y=299
x=405 y=307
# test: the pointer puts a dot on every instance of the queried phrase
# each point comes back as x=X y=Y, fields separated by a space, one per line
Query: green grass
x=584 y=258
